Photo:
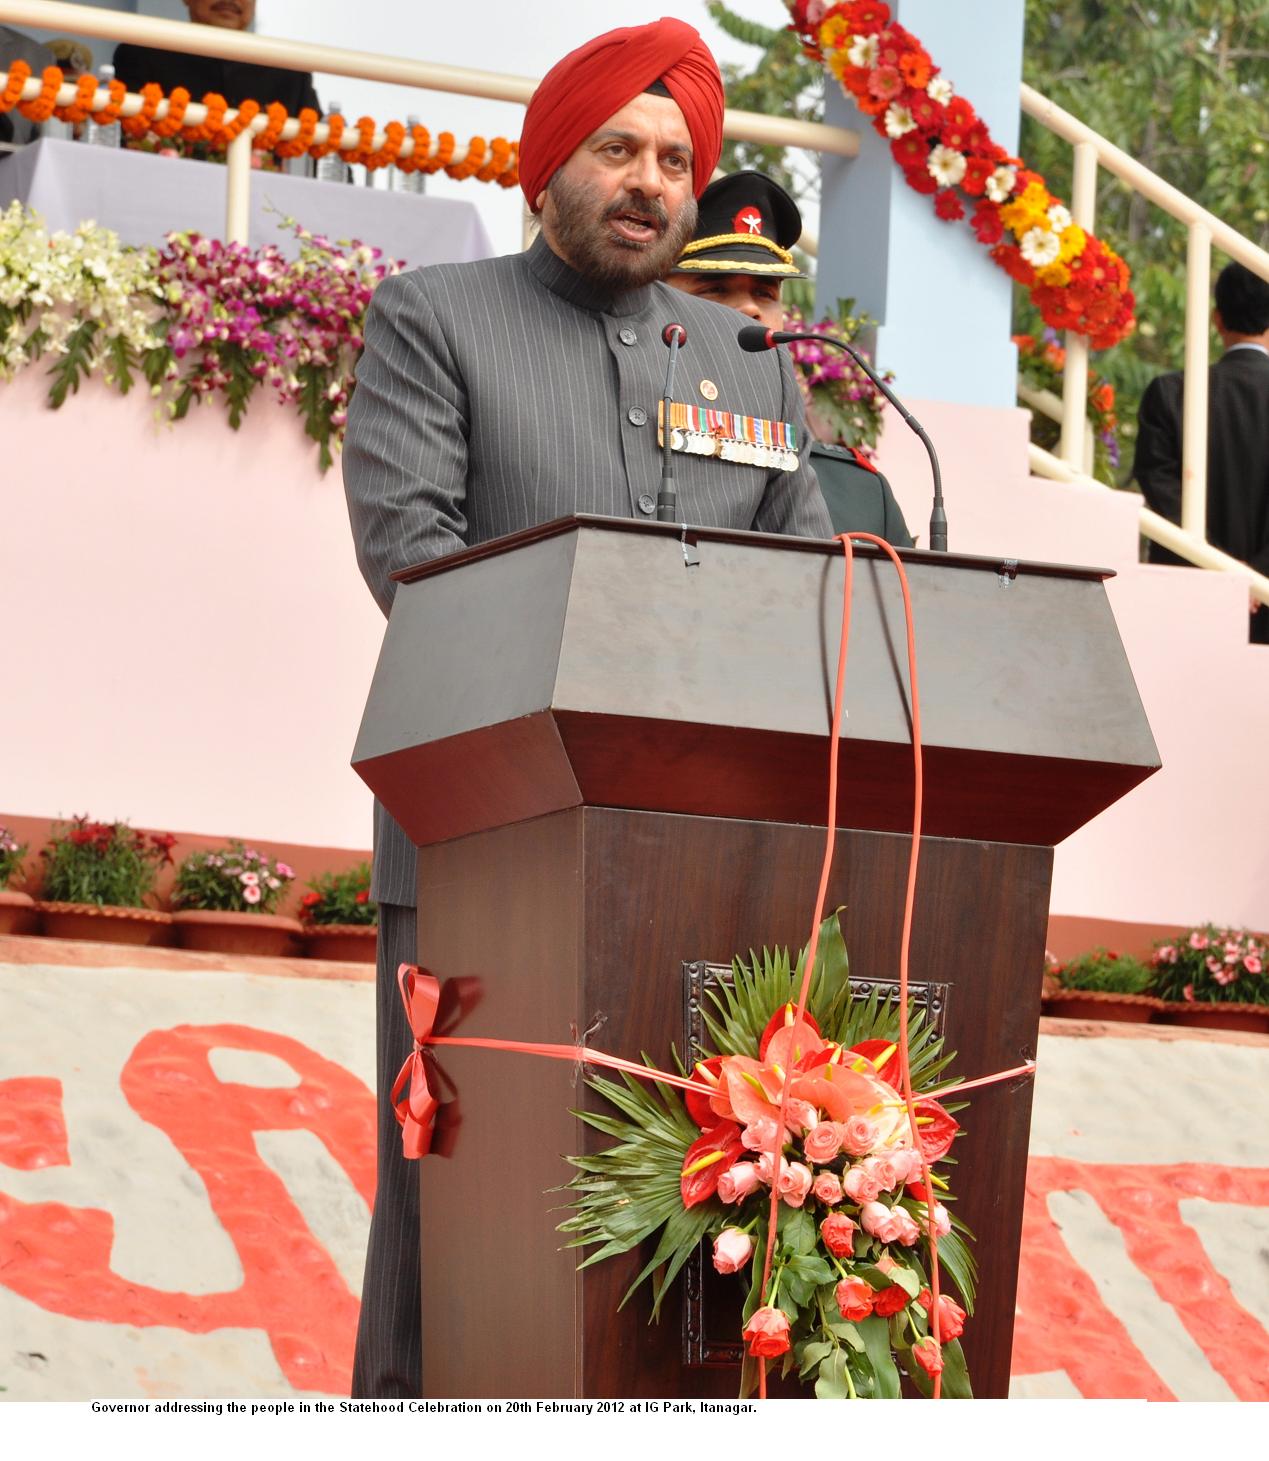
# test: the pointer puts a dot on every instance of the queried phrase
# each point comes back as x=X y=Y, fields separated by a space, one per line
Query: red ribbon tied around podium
x=412 y=1099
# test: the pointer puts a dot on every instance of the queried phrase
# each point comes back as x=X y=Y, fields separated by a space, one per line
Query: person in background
x=1237 y=434
x=740 y=256
x=15 y=130
x=236 y=81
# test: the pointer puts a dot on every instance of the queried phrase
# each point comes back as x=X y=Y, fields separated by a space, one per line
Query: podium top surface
x=559 y=526
x=598 y=661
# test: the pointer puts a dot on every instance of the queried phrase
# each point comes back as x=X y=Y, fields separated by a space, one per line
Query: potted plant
x=340 y=921
x=97 y=879
x=1102 y=985
x=17 y=910
x=226 y=900
x=1214 y=977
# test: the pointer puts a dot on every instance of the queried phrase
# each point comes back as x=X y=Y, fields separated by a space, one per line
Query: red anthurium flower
x=872 y=1051
x=698 y=1107
x=783 y=1019
x=937 y=1129
x=706 y=1160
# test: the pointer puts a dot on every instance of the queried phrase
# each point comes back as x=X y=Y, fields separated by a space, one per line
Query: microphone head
x=755 y=338
x=672 y=333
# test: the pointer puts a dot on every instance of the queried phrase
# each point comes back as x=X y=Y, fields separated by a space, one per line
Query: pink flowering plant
x=843 y=406
x=239 y=319
x=847 y=1303
x=1212 y=965
x=11 y=854
x=232 y=879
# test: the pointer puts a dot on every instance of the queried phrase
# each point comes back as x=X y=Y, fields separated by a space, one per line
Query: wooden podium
x=609 y=740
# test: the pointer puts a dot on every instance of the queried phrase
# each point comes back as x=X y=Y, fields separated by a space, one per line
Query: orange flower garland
x=945 y=150
x=489 y=162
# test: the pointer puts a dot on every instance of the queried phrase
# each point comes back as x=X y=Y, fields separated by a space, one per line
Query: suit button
x=646 y=503
x=627 y=336
x=637 y=416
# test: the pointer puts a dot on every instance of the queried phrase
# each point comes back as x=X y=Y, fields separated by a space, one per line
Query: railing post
x=1075 y=448
x=238 y=187
x=1198 y=278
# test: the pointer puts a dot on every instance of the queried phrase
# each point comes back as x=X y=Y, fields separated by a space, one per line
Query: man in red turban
x=619 y=140
x=497 y=395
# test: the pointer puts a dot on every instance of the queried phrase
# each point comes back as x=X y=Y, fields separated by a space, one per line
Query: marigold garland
x=496 y=162
x=945 y=150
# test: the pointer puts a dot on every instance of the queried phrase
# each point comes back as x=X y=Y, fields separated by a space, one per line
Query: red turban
x=580 y=93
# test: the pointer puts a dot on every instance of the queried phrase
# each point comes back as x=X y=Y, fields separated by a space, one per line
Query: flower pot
x=1100 y=1004
x=104 y=923
x=17 y=912
x=1207 y=1015
x=355 y=942
x=221 y=932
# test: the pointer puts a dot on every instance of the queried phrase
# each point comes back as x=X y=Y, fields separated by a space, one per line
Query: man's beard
x=603 y=257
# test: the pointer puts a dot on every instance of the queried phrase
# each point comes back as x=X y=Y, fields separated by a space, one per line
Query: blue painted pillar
x=942 y=305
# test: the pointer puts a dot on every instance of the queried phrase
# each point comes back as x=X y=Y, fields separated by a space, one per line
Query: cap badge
x=709 y=390
x=748 y=220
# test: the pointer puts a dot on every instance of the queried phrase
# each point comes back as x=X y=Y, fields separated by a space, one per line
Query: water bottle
x=111 y=135
x=407 y=182
x=332 y=168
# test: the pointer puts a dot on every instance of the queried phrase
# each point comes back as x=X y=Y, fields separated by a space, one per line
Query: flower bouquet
x=846 y=1301
x=842 y=404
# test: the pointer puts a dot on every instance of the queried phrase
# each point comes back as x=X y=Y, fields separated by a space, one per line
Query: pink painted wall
x=187 y=640
x=1188 y=844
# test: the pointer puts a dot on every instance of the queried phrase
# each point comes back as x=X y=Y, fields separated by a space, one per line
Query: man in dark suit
x=236 y=81
x=1237 y=434
x=501 y=394
x=740 y=255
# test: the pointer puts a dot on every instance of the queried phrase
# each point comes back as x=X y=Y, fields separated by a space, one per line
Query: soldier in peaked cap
x=740 y=256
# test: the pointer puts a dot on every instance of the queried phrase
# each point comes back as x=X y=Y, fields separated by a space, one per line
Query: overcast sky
x=514 y=36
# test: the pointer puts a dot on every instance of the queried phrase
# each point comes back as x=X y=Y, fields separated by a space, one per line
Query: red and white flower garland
x=1077 y=282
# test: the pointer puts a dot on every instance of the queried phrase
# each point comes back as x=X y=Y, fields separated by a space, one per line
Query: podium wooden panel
x=609 y=739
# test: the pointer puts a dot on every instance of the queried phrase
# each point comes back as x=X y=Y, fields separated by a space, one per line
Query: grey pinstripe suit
x=491 y=397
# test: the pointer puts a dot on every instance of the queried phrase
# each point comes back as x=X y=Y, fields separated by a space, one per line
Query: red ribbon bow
x=416 y=1111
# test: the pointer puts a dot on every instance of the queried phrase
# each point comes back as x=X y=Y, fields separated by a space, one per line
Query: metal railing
x=1205 y=231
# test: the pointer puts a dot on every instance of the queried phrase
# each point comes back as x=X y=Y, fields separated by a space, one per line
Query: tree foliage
x=1183 y=86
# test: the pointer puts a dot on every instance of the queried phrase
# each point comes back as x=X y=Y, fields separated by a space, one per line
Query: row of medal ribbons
x=702 y=432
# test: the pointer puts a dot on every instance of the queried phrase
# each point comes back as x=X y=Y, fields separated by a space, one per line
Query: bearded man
x=497 y=395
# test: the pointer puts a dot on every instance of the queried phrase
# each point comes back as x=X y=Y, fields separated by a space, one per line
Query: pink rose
x=827 y=1188
x=860 y=1135
x=889 y=1170
x=884 y=1222
x=854 y=1298
x=801 y=1115
x=766 y=1166
x=732 y=1250
x=823 y=1142
x=908 y=1231
x=942 y=1221
x=760 y=1135
x=838 y=1233
x=795 y=1183
x=738 y=1181
x=860 y=1185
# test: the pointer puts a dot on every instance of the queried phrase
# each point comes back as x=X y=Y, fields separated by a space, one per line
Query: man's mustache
x=645 y=209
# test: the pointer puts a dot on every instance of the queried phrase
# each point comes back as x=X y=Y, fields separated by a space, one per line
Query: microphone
x=755 y=338
x=675 y=336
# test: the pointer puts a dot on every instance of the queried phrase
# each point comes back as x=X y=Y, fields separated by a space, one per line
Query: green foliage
x=107 y=863
x=11 y=854
x=781 y=83
x=1195 y=111
x=341 y=898
x=1106 y=972
x=232 y=879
